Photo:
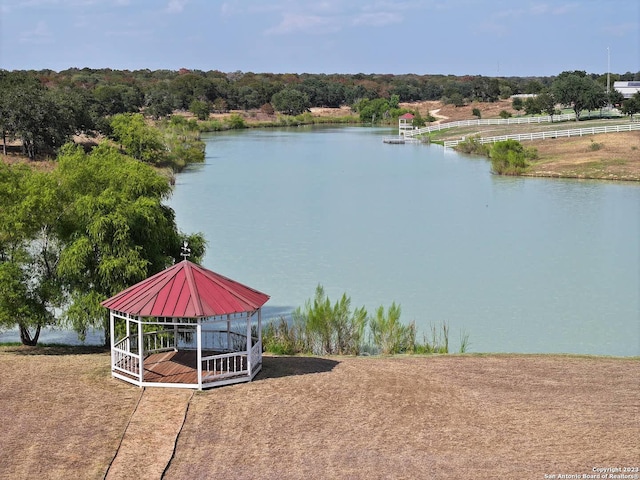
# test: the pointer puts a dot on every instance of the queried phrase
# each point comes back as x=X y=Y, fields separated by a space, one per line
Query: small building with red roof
x=405 y=122
x=186 y=327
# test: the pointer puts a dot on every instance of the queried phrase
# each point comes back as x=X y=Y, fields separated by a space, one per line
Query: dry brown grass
x=497 y=416
x=418 y=417
x=61 y=414
x=614 y=156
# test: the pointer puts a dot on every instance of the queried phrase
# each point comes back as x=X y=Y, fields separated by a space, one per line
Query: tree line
x=577 y=90
x=45 y=108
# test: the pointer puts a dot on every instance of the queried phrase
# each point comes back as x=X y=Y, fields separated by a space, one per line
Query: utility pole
x=608 y=70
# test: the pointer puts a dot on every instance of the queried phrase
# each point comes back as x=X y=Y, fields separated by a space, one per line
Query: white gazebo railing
x=223 y=355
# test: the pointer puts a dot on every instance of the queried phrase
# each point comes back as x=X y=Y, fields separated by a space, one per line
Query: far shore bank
x=613 y=157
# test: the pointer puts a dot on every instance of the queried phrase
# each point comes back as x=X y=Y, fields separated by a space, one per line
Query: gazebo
x=405 y=122
x=186 y=327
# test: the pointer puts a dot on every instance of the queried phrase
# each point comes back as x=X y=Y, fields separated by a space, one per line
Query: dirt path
x=148 y=442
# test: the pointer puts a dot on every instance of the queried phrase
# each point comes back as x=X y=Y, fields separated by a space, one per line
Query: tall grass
x=327 y=328
x=388 y=334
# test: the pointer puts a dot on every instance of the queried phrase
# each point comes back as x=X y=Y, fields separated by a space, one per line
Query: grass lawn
x=456 y=416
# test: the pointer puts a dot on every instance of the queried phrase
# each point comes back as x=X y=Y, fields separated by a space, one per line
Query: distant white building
x=627 y=89
x=524 y=95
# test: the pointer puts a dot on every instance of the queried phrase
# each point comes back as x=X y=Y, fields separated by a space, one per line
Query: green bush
x=236 y=122
x=471 y=145
x=508 y=158
x=388 y=334
x=281 y=338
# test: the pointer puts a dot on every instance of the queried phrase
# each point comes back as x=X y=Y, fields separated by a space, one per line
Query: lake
x=521 y=265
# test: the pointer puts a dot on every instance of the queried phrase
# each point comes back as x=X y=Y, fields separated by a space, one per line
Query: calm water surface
x=519 y=264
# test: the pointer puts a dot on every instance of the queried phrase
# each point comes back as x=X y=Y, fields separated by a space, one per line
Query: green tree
x=373 y=111
x=30 y=288
x=290 y=101
x=200 y=109
x=532 y=106
x=631 y=106
x=41 y=118
x=516 y=103
x=139 y=140
x=615 y=98
x=547 y=103
x=116 y=230
x=159 y=101
x=476 y=113
x=577 y=90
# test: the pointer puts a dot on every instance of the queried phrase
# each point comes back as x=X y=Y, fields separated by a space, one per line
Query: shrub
x=505 y=114
x=388 y=334
x=471 y=145
x=235 y=121
x=508 y=158
x=331 y=329
x=267 y=109
x=595 y=146
x=476 y=113
x=281 y=338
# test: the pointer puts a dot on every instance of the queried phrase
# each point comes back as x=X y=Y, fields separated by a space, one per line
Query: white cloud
x=292 y=22
x=495 y=29
x=38 y=36
x=377 y=19
x=621 y=29
x=176 y=6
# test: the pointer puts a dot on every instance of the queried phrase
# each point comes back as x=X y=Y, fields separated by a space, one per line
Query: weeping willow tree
x=116 y=230
x=73 y=237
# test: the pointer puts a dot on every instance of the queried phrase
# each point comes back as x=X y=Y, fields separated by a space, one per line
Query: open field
x=462 y=416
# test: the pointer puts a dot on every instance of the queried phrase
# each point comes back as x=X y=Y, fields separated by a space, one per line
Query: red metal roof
x=186 y=290
x=408 y=116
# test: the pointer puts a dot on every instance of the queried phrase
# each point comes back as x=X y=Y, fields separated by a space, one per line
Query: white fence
x=490 y=121
x=576 y=132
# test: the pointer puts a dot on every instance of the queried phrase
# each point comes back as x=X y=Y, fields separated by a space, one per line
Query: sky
x=457 y=37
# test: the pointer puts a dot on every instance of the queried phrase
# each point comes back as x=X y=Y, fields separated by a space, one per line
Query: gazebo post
x=249 y=366
x=199 y=352
x=141 y=350
x=112 y=330
x=127 y=333
x=175 y=336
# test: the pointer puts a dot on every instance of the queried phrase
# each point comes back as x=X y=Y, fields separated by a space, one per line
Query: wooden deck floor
x=175 y=367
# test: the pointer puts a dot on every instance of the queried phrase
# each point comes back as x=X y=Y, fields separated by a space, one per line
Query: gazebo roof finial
x=186 y=251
